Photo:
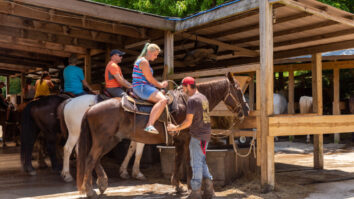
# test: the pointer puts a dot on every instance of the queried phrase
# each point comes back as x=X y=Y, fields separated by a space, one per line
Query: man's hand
x=171 y=127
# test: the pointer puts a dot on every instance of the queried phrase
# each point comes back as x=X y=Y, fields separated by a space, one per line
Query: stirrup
x=151 y=129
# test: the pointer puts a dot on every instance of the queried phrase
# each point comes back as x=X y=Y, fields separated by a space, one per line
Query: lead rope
x=252 y=146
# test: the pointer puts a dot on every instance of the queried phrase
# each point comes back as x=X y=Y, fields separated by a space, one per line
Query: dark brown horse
x=40 y=115
x=106 y=124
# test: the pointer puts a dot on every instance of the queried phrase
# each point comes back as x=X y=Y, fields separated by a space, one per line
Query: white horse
x=306 y=107
x=73 y=113
x=280 y=106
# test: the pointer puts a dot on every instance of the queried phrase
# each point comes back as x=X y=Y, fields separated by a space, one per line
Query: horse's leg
x=123 y=168
x=102 y=179
x=51 y=148
x=27 y=144
x=179 y=159
x=40 y=145
x=91 y=161
x=136 y=168
x=68 y=148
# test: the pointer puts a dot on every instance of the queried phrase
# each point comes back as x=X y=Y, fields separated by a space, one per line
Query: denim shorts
x=116 y=92
x=144 y=91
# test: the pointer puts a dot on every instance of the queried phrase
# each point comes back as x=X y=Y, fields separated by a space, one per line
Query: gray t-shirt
x=198 y=105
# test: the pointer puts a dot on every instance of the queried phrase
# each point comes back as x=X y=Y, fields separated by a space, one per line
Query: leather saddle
x=142 y=107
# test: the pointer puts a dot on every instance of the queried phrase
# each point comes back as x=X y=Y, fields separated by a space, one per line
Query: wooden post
x=291 y=108
x=266 y=94
x=258 y=118
x=23 y=84
x=317 y=107
x=168 y=55
x=8 y=86
x=251 y=92
x=88 y=66
x=336 y=99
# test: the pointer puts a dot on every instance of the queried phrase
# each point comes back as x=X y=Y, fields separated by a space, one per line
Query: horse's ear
x=230 y=77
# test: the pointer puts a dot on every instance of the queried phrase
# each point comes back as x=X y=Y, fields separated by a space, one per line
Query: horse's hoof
x=91 y=194
x=125 y=176
x=31 y=172
x=102 y=184
x=140 y=176
x=67 y=177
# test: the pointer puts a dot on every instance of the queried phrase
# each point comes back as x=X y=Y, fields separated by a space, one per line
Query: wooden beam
x=307 y=66
x=215 y=72
x=287 y=31
x=316 y=38
x=41 y=44
x=266 y=94
x=317 y=12
x=102 y=11
x=310 y=124
x=15 y=45
x=59 y=29
x=25 y=62
x=239 y=50
x=336 y=98
x=29 y=55
x=137 y=44
x=48 y=37
x=317 y=107
x=256 y=25
x=314 y=49
x=168 y=54
x=218 y=14
x=88 y=66
x=15 y=67
x=240 y=16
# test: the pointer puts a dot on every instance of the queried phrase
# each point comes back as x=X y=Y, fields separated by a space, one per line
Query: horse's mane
x=214 y=90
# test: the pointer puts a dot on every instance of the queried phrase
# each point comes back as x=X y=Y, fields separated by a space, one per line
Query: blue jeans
x=200 y=169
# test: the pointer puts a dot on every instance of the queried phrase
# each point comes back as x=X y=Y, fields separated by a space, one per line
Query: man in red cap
x=198 y=122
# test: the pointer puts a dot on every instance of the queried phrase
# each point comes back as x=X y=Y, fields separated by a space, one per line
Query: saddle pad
x=128 y=106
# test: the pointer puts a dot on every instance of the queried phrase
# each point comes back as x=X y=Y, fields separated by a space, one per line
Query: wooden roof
x=36 y=33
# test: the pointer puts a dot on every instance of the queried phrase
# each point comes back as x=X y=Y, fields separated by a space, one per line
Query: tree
x=183 y=8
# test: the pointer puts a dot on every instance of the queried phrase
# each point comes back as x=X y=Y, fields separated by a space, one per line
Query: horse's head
x=234 y=99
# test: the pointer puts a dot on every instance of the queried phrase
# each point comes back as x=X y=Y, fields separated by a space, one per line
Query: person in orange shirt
x=113 y=75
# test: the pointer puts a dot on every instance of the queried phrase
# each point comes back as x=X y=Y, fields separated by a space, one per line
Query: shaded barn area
x=248 y=38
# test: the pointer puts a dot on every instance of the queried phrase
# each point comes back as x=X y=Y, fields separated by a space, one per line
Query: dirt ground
x=294 y=176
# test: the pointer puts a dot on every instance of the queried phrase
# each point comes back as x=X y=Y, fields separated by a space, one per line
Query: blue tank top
x=138 y=75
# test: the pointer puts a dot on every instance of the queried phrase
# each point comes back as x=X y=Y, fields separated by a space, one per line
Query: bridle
x=229 y=95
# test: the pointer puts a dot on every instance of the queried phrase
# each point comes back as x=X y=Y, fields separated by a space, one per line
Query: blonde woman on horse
x=43 y=85
x=146 y=86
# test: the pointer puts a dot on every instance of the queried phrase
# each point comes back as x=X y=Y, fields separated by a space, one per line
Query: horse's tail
x=28 y=128
x=61 y=117
x=84 y=146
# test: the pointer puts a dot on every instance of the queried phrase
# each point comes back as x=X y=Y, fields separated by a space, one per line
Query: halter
x=233 y=98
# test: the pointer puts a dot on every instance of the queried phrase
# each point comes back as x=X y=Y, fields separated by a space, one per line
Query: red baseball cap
x=188 y=80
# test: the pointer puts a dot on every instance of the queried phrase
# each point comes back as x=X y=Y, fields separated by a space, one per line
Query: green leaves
x=183 y=8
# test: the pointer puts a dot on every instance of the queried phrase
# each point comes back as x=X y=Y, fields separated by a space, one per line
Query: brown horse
x=106 y=124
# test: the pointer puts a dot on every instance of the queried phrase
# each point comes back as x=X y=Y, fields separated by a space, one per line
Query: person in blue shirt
x=74 y=78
